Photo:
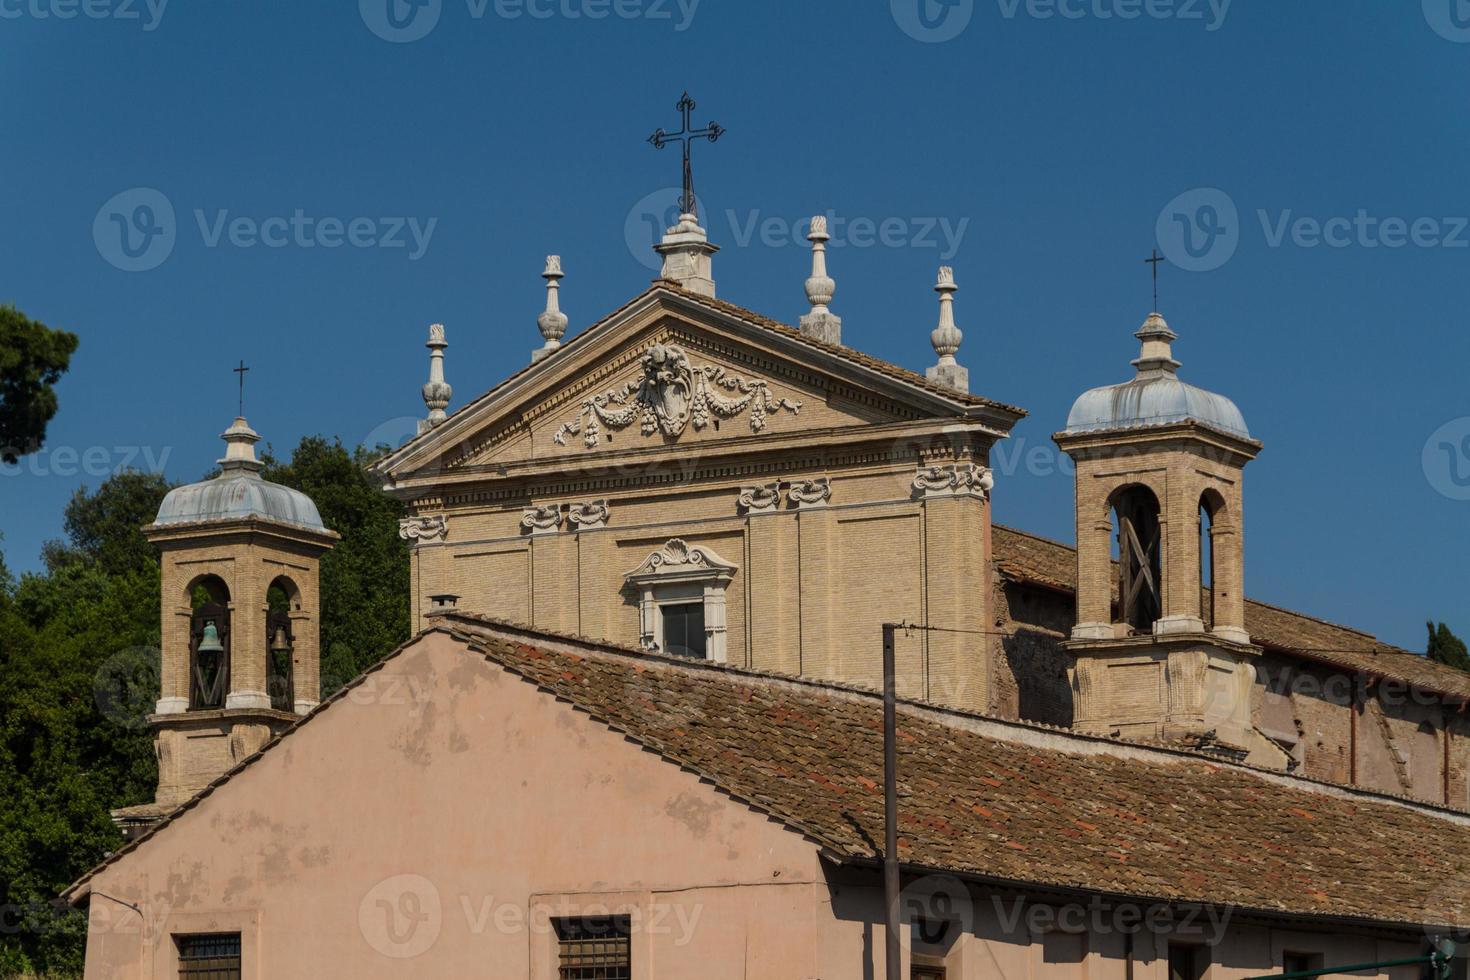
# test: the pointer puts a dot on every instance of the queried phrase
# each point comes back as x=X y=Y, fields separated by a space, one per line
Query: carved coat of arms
x=671 y=394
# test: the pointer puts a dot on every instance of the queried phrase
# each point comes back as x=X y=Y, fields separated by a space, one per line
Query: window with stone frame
x=681 y=600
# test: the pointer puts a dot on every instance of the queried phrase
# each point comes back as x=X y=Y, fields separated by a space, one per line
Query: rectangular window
x=594 y=948
x=684 y=630
x=1187 y=962
x=209 y=957
x=1300 y=962
x=928 y=973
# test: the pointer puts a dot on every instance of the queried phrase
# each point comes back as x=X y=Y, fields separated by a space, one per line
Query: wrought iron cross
x=686 y=136
x=1154 y=261
x=241 y=372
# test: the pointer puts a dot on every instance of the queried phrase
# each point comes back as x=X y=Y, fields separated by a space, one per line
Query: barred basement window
x=594 y=948
x=211 y=957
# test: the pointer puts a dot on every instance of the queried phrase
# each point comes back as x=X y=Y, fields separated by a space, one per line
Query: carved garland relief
x=672 y=394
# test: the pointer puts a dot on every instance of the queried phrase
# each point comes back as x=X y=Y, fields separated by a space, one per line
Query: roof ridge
x=945 y=713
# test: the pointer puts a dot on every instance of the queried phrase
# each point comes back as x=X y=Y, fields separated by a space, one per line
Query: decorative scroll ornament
x=810 y=493
x=589 y=515
x=539 y=520
x=671 y=394
x=680 y=556
x=954 y=479
x=423 y=528
x=766 y=497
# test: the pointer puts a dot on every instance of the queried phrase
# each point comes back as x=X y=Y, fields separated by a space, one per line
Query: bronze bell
x=209 y=642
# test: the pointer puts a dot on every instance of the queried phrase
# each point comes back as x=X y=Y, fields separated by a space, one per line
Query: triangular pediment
x=669 y=371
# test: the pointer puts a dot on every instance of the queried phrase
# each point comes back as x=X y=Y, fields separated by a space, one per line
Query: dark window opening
x=209 y=656
x=1187 y=962
x=928 y=972
x=594 y=948
x=684 y=630
x=211 y=957
x=1301 y=962
x=1136 y=512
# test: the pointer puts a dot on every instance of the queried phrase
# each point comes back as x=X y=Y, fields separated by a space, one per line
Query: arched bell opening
x=282 y=597
x=1135 y=515
x=1212 y=512
x=209 y=642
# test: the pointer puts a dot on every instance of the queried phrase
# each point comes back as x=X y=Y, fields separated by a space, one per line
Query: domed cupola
x=1156 y=396
x=240 y=563
x=1160 y=645
x=238 y=493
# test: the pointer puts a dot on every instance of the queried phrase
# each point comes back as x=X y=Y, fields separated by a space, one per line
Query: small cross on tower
x=241 y=370
x=1154 y=261
x=686 y=136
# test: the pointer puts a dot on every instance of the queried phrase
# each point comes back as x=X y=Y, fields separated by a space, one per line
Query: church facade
x=636 y=734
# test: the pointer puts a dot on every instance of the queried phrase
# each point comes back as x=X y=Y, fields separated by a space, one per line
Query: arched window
x=281 y=597
x=1211 y=506
x=1136 y=519
x=209 y=642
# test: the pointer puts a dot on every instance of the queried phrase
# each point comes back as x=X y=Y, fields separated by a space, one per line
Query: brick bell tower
x=240 y=604
x=1160 y=643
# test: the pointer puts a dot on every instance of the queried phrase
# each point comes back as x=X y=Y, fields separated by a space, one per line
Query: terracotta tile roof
x=1028 y=558
x=1010 y=802
x=1004 y=801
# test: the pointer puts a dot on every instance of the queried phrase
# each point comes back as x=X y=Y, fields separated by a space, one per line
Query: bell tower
x=1161 y=648
x=241 y=606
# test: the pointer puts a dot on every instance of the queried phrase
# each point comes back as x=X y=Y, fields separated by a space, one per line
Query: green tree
x=76 y=646
x=33 y=357
x=365 y=591
x=1447 y=648
x=79 y=675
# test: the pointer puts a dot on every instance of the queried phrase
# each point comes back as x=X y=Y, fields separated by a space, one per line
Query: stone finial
x=821 y=323
x=688 y=256
x=553 y=322
x=437 y=392
x=946 y=337
x=1156 y=354
x=240 y=442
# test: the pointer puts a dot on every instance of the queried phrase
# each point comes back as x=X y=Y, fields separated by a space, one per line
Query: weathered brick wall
x=1028 y=664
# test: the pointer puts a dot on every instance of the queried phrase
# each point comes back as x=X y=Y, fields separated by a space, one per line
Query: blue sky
x=1305 y=160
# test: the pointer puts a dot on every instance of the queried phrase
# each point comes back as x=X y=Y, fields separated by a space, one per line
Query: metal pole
x=890 y=810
